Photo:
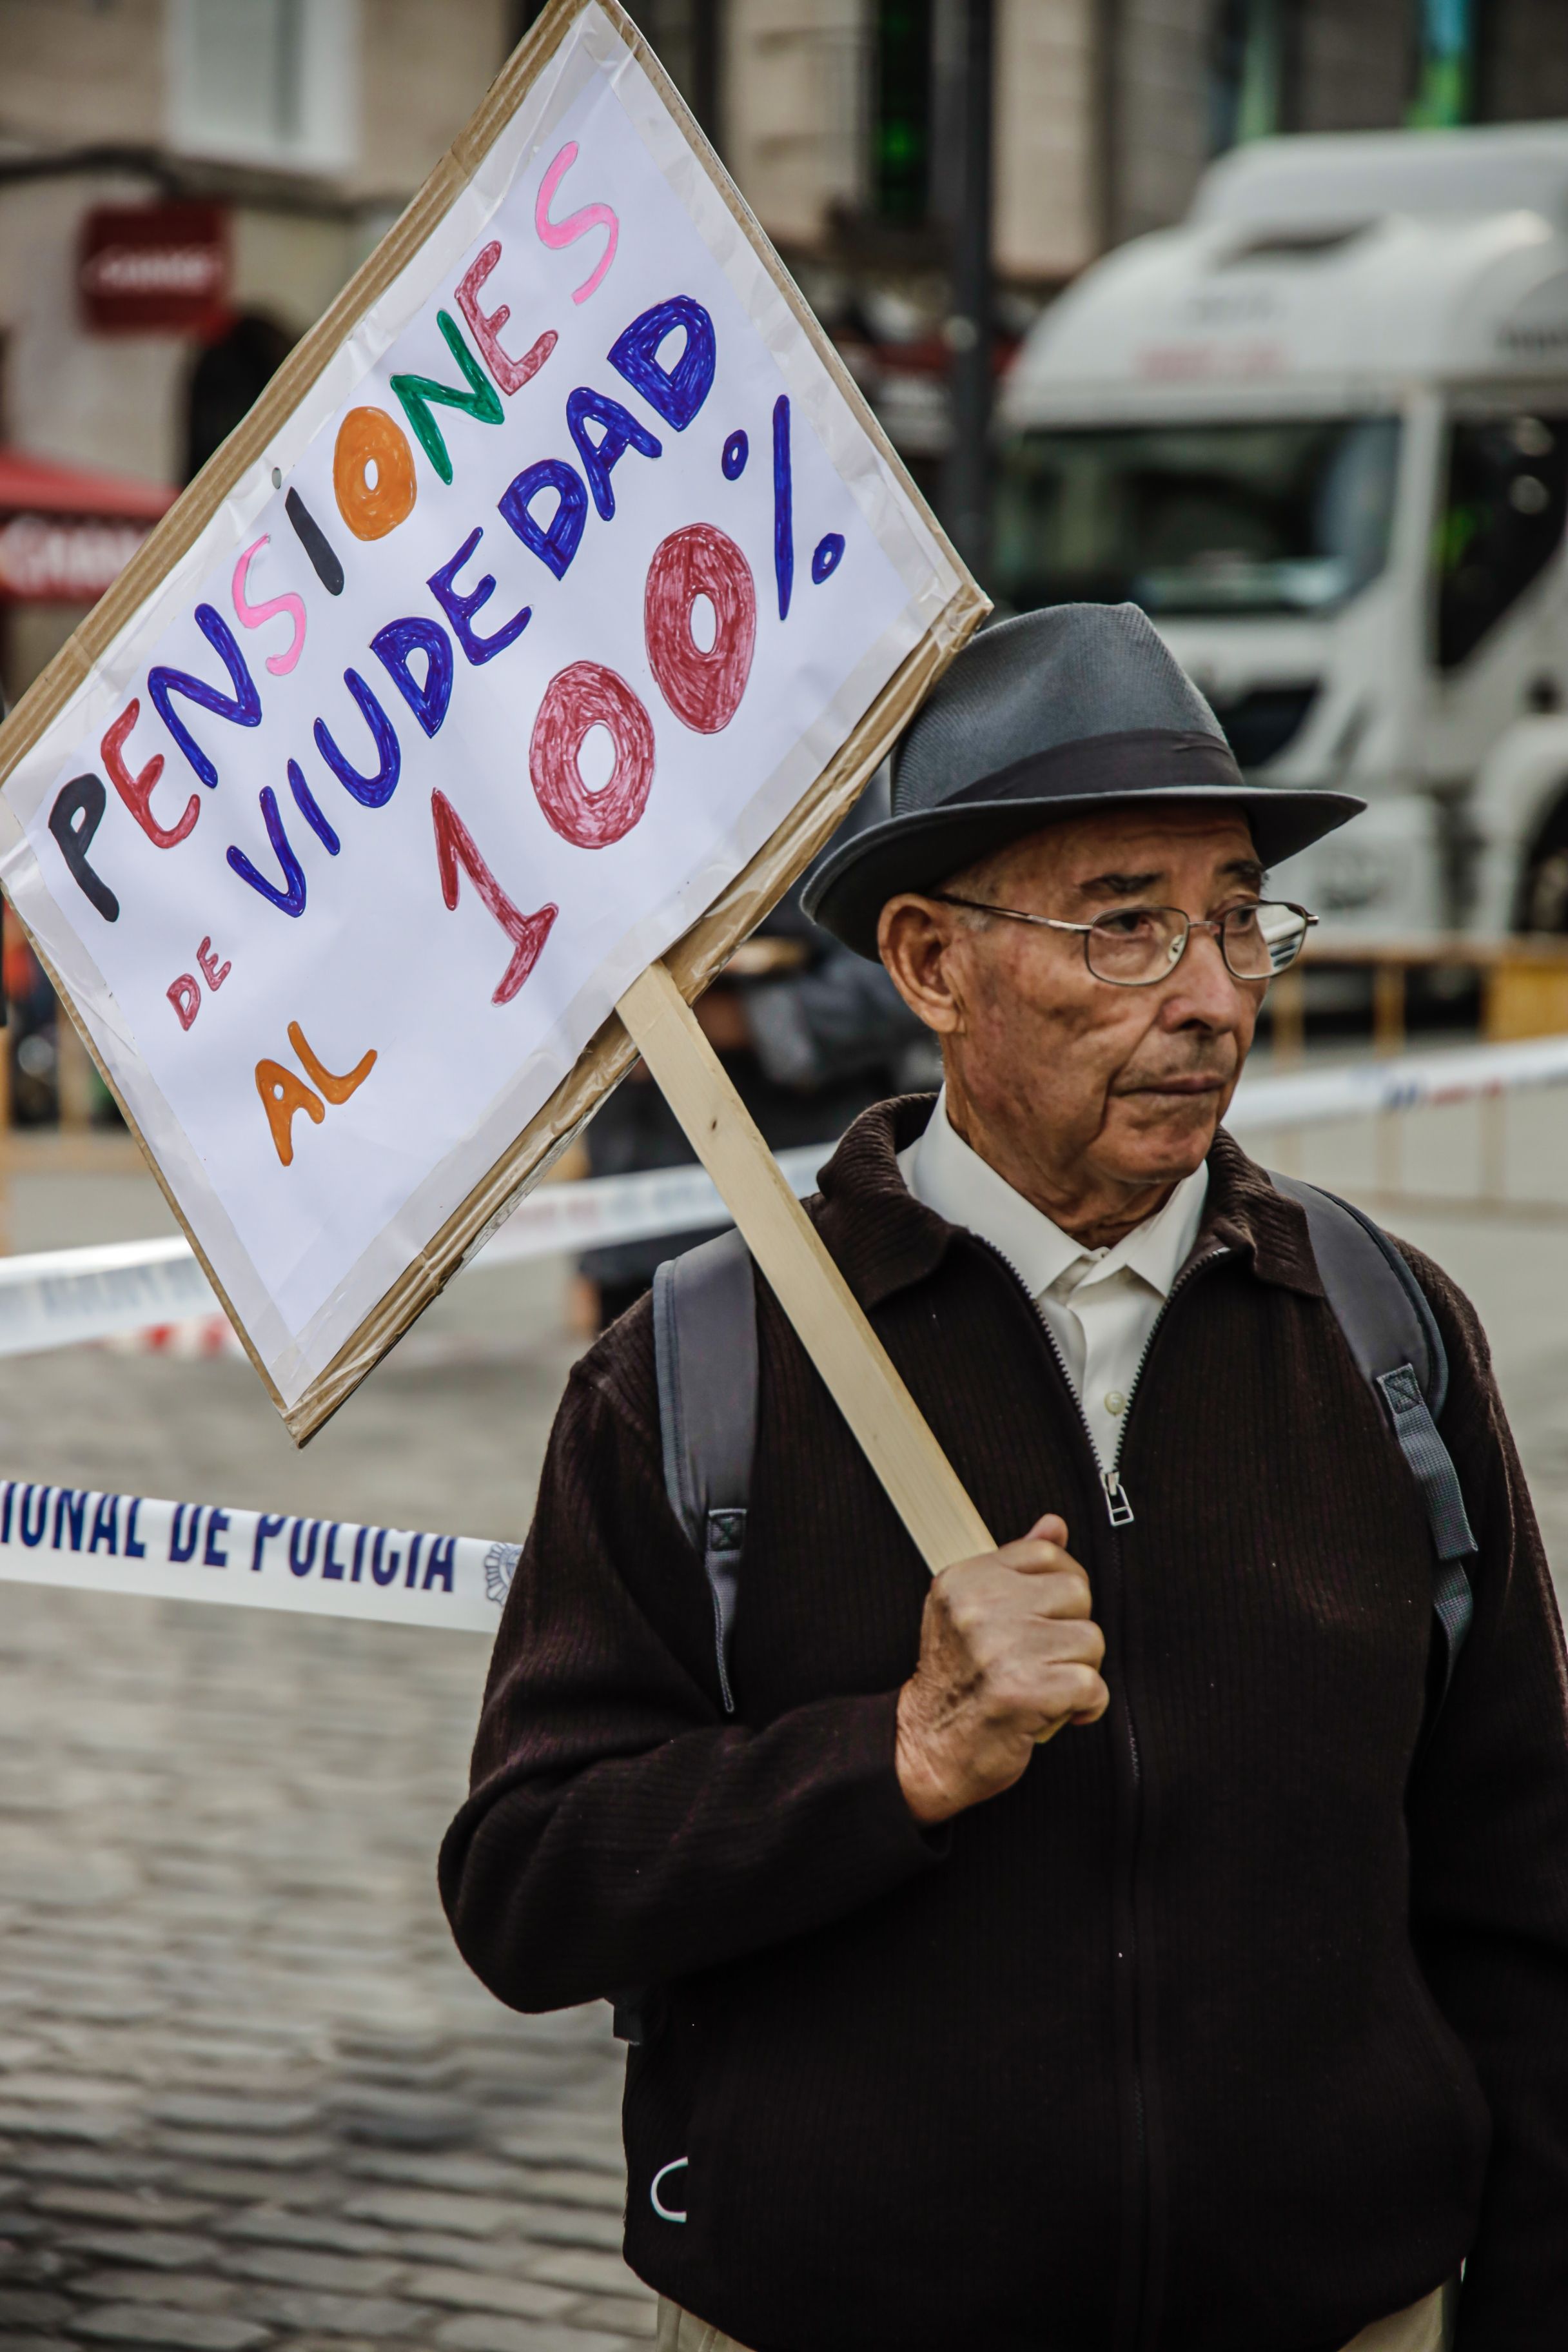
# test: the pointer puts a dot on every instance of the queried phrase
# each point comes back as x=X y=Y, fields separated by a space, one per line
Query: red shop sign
x=153 y=268
x=64 y=559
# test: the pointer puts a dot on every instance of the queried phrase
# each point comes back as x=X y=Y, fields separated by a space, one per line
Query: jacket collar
x=884 y=1239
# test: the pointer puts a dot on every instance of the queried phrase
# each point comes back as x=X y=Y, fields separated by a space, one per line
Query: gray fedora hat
x=1078 y=708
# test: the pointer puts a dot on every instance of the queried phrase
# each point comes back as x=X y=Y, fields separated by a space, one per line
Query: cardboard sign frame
x=702 y=950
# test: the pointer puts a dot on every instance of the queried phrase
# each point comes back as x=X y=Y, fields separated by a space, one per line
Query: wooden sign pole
x=886 y=1422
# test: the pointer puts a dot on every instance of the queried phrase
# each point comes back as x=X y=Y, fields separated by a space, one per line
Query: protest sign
x=538 y=624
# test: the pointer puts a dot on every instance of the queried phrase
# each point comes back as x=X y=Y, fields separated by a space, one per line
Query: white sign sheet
x=566 y=578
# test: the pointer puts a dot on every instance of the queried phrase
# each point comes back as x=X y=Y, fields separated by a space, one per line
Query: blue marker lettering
x=243 y=706
x=290 y=898
x=784 y=505
x=460 y=605
x=371 y=791
x=557 y=542
x=394 y=645
x=621 y=431
x=310 y=810
x=677 y=393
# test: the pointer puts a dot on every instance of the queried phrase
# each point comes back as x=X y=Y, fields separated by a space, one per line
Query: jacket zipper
x=1118 y=1503
x=1118 y=1508
x=1139 y=2294
x=1119 y=1512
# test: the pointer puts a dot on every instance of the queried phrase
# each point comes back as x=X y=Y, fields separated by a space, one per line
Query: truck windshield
x=1283 y=517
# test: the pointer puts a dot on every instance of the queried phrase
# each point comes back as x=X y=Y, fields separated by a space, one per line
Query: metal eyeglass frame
x=1193 y=923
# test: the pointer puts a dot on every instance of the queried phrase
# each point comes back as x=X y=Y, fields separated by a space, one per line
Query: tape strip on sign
x=200 y=1551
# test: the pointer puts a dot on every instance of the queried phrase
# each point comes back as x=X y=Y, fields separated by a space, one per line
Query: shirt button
x=1115 y=1402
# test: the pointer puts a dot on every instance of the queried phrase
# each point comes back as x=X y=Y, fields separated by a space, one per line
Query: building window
x=268 y=82
x=902 y=137
x=1247 y=83
x=227 y=378
x=1445 y=71
x=1502 y=522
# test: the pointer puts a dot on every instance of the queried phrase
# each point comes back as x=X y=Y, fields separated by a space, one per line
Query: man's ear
x=915 y=938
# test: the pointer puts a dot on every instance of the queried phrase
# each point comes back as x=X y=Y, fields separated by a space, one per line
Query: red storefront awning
x=68 y=531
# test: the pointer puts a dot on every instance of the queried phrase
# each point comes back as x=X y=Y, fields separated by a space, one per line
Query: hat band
x=1142 y=760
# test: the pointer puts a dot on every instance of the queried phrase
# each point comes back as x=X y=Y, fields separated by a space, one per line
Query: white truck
x=1320 y=432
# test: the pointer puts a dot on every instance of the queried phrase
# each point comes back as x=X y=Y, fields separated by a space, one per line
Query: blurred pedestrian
x=809 y=1033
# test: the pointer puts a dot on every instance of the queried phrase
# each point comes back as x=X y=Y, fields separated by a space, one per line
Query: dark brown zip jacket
x=1239 y=2022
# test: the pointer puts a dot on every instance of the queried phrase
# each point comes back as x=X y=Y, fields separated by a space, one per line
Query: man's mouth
x=1194 y=1082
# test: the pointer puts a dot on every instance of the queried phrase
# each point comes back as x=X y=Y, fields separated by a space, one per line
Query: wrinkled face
x=1123 y=1086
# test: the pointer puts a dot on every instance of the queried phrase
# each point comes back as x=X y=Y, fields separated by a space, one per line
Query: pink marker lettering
x=557 y=234
x=253 y=616
x=485 y=327
x=213 y=972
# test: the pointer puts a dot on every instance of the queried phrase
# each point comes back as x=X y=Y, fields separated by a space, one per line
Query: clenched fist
x=1009 y=1653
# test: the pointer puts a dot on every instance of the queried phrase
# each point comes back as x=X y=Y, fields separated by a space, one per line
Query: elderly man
x=1234 y=2019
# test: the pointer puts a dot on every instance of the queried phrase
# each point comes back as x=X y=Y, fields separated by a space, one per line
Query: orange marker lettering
x=336 y=1089
x=282 y=1094
x=372 y=473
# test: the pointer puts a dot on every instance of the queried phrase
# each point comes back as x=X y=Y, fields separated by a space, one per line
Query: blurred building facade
x=184 y=184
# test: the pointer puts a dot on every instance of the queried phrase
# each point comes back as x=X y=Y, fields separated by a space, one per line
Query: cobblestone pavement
x=248 y=2095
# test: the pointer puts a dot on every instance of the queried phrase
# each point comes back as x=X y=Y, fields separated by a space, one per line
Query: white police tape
x=54 y=1298
x=1409 y=1082
x=260 y=1559
x=202 y=1552
x=605 y=1208
x=59 y=1298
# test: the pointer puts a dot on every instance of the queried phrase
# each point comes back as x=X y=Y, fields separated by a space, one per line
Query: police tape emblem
x=499 y=1562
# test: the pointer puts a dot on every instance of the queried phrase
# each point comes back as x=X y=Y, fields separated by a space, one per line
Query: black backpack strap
x=705 y=1346
x=705 y=1355
x=1392 y=1333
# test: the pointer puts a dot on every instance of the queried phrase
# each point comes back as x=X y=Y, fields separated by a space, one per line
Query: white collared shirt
x=1099 y=1306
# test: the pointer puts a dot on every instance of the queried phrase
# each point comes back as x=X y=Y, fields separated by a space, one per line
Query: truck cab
x=1318 y=432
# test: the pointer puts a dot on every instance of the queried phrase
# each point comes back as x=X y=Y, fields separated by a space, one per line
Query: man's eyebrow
x=1118 y=886
x=1246 y=870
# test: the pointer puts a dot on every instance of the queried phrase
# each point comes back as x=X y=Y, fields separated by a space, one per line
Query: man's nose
x=1203 y=988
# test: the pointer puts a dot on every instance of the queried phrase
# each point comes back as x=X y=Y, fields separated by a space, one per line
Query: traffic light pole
x=707 y=67
x=967 y=483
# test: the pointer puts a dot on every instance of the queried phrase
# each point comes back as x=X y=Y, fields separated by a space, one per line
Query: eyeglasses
x=1134 y=947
